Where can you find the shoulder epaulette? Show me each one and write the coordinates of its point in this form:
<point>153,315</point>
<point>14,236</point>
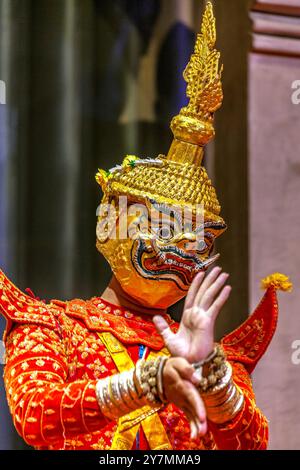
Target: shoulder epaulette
<point>248,342</point>
<point>18,307</point>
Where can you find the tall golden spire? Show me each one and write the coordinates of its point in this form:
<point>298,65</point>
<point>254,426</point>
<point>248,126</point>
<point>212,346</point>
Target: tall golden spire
<point>179,178</point>
<point>193,126</point>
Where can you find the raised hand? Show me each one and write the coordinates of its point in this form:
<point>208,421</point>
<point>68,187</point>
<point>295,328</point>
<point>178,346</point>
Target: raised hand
<point>195,337</point>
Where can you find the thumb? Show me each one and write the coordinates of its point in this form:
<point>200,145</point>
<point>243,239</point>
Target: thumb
<point>162,327</point>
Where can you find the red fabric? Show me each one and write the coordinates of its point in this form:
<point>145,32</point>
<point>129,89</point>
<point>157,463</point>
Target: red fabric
<point>248,342</point>
<point>55,357</point>
<point>249,430</point>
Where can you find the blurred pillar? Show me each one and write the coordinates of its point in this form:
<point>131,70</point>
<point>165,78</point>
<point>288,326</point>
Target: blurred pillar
<point>274,173</point>
<point>14,68</point>
<point>14,71</point>
<point>55,135</point>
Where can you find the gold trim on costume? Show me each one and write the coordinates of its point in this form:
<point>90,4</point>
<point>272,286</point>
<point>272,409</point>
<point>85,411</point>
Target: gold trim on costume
<point>148,417</point>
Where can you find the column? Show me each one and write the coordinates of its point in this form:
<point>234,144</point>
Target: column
<point>274,182</point>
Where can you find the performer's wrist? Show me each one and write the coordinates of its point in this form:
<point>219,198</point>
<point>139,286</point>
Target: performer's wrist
<point>222,398</point>
<point>130,390</point>
<point>211,369</point>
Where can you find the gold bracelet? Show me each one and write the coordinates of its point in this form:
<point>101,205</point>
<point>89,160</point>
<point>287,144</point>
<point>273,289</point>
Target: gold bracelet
<point>102,394</point>
<point>130,385</point>
<point>137,378</point>
<point>224,401</point>
<point>151,379</point>
<point>218,391</point>
<point>160,387</point>
<point>124,390</point>
<point>219,416</point>
<point>211,370</point>
<point>116,396</point>
<point>120,394</point>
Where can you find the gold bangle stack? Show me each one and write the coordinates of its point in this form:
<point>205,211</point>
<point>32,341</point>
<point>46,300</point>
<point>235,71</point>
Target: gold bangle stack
<point>122,393</point>
<point>151,379</point>
<point>212,369</point>
<point>224,400</point>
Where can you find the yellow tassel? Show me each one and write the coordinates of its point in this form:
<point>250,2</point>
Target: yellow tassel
<point>278,281</point>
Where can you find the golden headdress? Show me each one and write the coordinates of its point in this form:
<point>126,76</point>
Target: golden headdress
<point>179,178</point>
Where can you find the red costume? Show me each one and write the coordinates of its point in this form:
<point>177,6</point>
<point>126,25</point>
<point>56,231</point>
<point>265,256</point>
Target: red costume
<point>55,356</point>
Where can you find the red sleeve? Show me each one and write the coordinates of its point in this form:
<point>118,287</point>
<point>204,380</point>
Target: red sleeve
<point>249,429</point>
<point>46,408</point>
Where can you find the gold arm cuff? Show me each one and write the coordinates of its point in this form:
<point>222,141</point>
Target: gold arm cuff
<point>111,397</point>
<point>130,390</point>
<point>224,401</point>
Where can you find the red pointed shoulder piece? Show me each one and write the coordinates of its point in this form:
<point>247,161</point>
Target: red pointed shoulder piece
<point>248,342</point>
<point>18,307</point>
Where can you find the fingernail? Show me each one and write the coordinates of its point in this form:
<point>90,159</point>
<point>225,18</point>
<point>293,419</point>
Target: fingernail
<point>193,430</point>
<point>200,428</point>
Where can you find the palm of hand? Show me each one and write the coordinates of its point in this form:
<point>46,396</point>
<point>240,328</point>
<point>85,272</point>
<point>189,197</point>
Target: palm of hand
<point>195,337</point>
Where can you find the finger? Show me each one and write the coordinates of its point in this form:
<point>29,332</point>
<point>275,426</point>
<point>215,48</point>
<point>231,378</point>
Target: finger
<point>194,429</point>
<point>189,301</point>
<point>185,389</point>
<point>210,278</point>
<point>210,295</point>
<point>197,428</point>
<point>196,377</point>
<point>220,302</point>
<point>171,381</point>
<point>163,328</point>
<point>202,428</point>
<point>194,402</point>
<point>193,423</point>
